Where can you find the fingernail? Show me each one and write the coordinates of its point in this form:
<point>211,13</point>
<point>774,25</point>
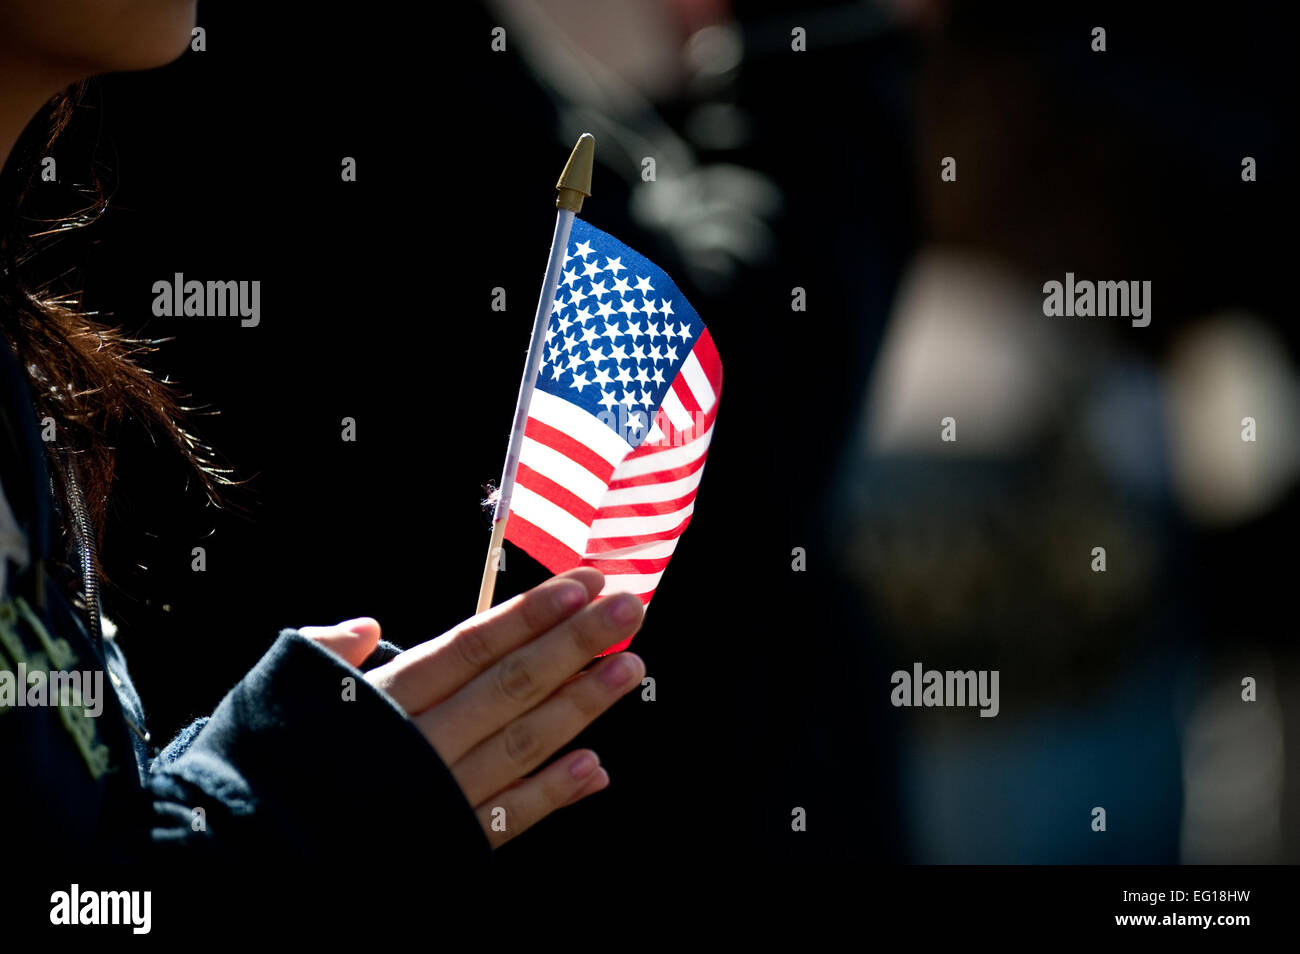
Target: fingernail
<point>618,672</point>
<point>598,781</point>
<point>569,597</point>
<point>584,766</point>
<point>623,609</point>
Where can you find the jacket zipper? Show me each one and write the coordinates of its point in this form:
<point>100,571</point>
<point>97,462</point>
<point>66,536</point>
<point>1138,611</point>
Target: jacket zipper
<point>86,546</point>
<point>90,578</point>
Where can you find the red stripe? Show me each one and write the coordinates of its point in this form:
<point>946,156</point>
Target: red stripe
<point>603,544</point>
<point>540,545</point>
<point>698,428</point>
<point>659,476</point>
<point>706,353</point>
<point>687,397</point>
<point>645,509</point>
<point>573,449</point>
<point>557,494</point>
<point>613,567</point>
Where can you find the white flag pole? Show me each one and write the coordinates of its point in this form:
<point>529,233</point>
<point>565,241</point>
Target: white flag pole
<point>573,186</point>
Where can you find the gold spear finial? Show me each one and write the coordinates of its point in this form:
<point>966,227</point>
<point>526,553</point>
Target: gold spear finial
<point>575,180</point>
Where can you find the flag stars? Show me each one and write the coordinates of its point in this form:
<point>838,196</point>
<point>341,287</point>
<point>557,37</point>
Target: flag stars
<point>610,328</point>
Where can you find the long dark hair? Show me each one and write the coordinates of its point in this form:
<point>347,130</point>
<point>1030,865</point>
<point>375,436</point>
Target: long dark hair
<point>83,373</point>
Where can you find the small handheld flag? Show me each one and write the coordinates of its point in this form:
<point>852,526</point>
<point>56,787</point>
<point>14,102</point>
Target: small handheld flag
<point>611,436</point>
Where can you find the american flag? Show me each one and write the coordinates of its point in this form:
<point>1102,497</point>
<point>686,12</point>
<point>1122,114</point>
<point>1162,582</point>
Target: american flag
<point>620,422</point>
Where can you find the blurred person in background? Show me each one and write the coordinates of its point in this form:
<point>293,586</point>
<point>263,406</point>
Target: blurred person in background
<point>1121,689</point>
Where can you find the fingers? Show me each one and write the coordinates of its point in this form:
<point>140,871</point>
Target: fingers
<point>563,782</point>
<point>428,673</point>
<point>532,738</point>
<point>352,640</point>
<point>523,679</point>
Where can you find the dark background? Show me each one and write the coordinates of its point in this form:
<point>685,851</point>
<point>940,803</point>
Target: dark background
<point>772,685</point>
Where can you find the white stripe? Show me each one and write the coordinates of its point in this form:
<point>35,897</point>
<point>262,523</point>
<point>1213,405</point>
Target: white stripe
<point>576,423</point>
<point>635,526</point>
<point>698,382</point>
<point>666,459</point>
<point>652,550</point>
<point>678,414</point>
<point>549,518</point>
<point>653,493</point>
<point>637,583</point>
<point>573,477</point>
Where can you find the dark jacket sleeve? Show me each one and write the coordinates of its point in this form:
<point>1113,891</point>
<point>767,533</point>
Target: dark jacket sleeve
<point>303,756</point>
<point>302,760</point>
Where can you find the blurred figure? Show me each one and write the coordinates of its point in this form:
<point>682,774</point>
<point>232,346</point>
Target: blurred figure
<point>1122,689</point>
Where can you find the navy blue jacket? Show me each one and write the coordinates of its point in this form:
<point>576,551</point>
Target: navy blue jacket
<point>283,769</point>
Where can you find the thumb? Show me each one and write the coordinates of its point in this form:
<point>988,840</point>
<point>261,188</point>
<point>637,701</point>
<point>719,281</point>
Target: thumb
<point>352,640</point>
